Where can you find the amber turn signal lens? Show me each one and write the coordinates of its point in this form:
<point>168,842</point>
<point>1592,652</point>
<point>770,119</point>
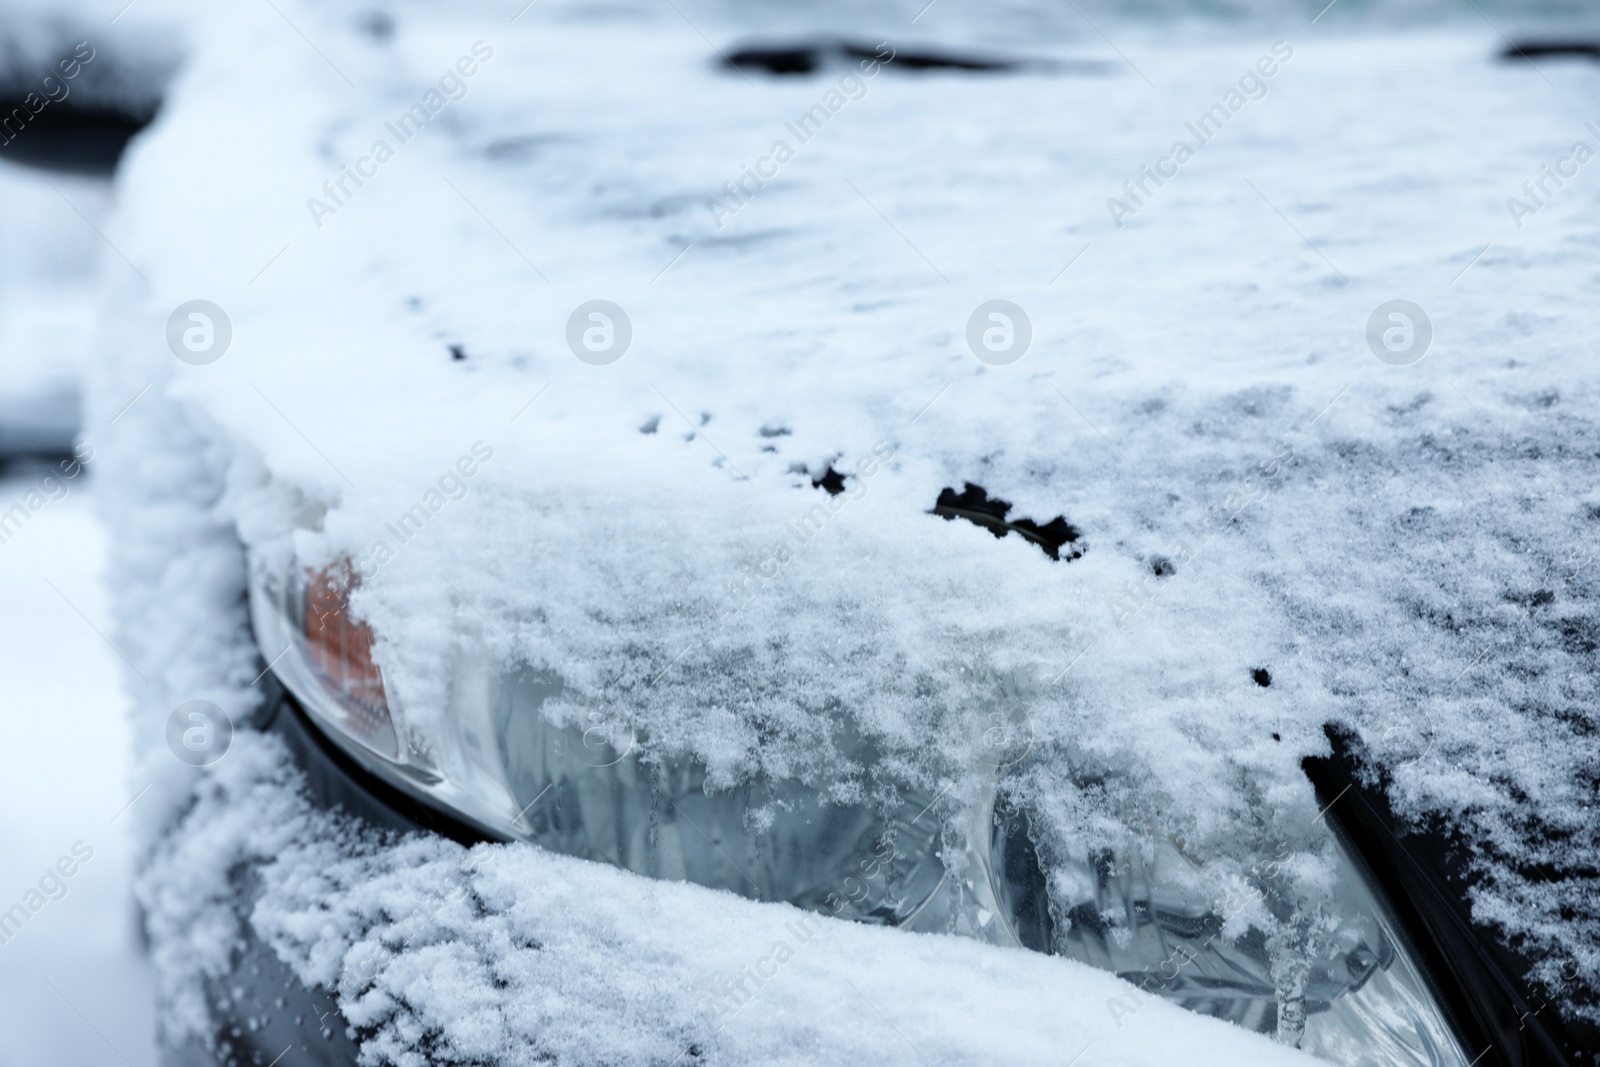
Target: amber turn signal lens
<point>339,647</point>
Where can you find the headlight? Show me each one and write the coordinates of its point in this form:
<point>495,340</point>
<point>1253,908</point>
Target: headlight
<point>494,760</point>
<point>1335,981</point>
<point>1332,978</point>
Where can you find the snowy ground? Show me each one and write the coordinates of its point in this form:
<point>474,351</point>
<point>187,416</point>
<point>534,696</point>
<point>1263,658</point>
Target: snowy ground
<point>74,988</point>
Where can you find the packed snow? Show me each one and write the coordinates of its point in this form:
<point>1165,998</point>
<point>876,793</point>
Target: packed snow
<point>1403,548</point>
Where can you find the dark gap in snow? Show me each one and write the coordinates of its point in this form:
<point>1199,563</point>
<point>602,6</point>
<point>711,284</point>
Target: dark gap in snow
<point>1580,635</point>
<point>519,149</point>
<point>1412,406</point>
<point>1536,599</point>
<point>1262,677</point>
<point>457,352</point>
<point>376,24</point>
<point>1162,567</point>
<point>831,480</point>
<point>770,430</point>
<point>72,137</point>
<point>975,505</point>
<point>779,60</point>
<point>913,60</point>
<point>651,425</point>
<point>1529,49</point>
<point>799,58</point>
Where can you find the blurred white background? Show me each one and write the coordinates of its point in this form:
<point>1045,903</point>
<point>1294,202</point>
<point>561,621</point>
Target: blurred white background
<point>73,984</point>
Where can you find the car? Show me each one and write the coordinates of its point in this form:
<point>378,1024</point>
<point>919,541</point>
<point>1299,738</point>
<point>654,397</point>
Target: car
<point>662,535</point>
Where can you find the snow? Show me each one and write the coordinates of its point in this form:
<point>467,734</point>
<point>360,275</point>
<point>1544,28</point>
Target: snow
<point>1403,547</point>
<point>512,955</point>
<point>64,785</point>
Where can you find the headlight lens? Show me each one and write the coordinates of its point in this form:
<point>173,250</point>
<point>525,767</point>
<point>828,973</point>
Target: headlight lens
<point>1337,982</point>
<point>495,760</point>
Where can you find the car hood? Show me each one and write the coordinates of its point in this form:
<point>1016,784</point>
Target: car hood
<point>1253,493</point>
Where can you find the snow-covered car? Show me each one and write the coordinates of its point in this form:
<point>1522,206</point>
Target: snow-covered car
<point>733,534</point>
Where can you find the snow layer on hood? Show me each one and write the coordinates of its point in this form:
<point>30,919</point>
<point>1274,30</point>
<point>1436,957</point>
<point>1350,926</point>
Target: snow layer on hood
<point>608,537</point>
<point>1403,548</point>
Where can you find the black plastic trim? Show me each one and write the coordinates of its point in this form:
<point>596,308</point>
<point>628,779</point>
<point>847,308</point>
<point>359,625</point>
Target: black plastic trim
<point>336,780</point>
<point>1529,49</point>
<point>1473,974</point>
